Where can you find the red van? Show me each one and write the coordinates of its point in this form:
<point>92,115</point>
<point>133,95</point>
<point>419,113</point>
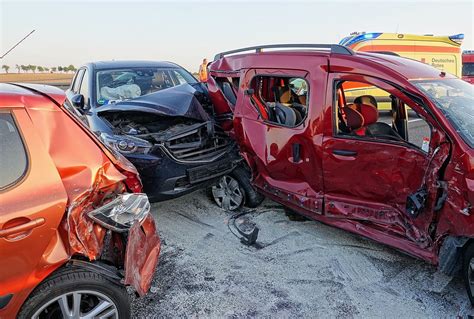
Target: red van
<point>405,183</point>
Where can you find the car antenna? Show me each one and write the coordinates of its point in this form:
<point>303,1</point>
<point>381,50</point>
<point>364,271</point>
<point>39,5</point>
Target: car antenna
<point>24,38</point>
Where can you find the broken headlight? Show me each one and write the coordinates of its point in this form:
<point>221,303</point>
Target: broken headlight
<point>120,213</point>
<point>126,144</point>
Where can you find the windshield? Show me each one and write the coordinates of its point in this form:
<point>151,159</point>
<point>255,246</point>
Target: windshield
<point>468,69</point>
<point>124,84</point>
<point>455,98</point>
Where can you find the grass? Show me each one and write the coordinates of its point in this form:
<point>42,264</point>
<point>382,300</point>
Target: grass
<point>46,78</point>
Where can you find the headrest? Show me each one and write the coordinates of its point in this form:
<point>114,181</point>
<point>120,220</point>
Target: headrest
<point>159,79</point>
<point>369,113</point>
<point>354,119</point>
<point>366,99</point>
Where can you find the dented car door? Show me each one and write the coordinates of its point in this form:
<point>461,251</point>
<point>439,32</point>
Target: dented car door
<point>32,222</point>
<point>284,158</point>
<point>371,184</point>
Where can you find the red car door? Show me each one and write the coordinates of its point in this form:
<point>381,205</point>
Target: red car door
<point>367,180</point>
<point>33,202</point>
<point>284,160</point>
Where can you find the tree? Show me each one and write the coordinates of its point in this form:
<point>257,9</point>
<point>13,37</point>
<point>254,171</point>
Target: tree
<point>54,69</point>
<point>71,68</point>
<point>24,68</point>
<point>32,67</point>
<point>5,67</point>
<point>46,69</point>
<point>60,68</point>
<point>40,68</point>
<point>18,68</point>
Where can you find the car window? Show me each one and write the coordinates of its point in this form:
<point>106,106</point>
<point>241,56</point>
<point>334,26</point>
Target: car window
<point>365,111</point>
<point>455,99</point>
<point>179,77</point>
<point>13,163</point>
<point>84,89</point>
<point>419,131</point>
<point>468,69</point>
<point>229,87</point>
<point>77,81</point>
<point>115,85</point>
<point>281,100</point>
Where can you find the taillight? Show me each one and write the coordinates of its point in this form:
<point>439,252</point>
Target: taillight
<point>120,213</point>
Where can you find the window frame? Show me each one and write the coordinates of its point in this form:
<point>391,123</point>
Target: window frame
<point>18,181</point>
<point>279,75</point>
<point>335,119</point>
<point>86,98</point>
<point>77,79</point>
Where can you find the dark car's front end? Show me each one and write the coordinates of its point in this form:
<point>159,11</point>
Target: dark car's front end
<point>160,118</point>
<point>174,156</point>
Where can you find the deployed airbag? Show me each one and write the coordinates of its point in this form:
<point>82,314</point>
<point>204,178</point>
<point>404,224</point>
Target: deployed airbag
<point>180,101</point>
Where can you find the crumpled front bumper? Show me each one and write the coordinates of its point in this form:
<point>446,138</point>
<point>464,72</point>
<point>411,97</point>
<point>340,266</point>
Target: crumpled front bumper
<point>141,255</point>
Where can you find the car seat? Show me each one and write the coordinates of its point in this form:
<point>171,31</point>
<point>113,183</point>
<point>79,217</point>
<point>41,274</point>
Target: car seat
<point>353,119</point>
<point>285,115</point>
<point>285,99</point>
<point>373,128</point>
<point>159,81</point>
<point>369,114</point>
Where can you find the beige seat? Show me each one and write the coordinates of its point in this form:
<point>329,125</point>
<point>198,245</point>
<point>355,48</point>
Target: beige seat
<point>159,80</point>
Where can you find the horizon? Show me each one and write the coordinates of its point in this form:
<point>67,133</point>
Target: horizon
<point>119,30</point>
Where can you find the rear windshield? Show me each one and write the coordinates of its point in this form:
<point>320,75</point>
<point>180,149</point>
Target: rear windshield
<point>455,98</point>
<point>125,84</point>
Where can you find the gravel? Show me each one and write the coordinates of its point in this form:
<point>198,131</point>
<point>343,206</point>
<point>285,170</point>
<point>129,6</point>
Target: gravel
<point>297,269</point>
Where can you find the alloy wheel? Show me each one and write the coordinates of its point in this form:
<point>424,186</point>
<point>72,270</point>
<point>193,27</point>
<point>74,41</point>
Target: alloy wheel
<point>78,304</point>
<point>227,193</point>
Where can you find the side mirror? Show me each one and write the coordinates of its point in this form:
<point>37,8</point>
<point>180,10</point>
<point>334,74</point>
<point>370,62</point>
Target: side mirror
<point>78,101</point>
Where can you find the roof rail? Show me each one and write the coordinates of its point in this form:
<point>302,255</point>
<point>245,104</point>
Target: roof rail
<point>334,48</point>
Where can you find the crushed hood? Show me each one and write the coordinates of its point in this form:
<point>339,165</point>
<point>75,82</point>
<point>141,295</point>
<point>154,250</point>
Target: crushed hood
<point>181,100</point>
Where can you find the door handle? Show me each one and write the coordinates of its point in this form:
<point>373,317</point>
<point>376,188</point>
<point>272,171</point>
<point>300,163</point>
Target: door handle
<point>22,227</point>
<point>296,153</point>
<point>344,152</point>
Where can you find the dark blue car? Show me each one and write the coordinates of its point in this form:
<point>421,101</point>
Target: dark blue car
<point>160,118</point>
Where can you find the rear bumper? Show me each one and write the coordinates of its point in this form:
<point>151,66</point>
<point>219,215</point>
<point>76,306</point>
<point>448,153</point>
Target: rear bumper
<point>141,255</point>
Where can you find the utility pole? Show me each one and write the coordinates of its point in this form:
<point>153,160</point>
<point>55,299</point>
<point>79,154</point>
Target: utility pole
<point>26,36</point>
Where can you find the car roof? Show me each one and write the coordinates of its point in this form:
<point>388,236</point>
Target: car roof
<point>13,94</point>
<point>131,64</point>
<point>373,63</point>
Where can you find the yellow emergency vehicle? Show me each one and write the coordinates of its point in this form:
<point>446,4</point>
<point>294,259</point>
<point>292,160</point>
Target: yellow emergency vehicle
<point>442,52</point>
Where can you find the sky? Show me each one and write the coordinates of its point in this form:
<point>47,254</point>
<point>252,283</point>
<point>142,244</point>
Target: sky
<point>184,32</point>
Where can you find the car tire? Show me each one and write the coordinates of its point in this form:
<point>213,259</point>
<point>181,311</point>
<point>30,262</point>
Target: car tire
<point>468,270</point>
<point>294,216</point>
<point>251,198</point>
<point>68,283</point>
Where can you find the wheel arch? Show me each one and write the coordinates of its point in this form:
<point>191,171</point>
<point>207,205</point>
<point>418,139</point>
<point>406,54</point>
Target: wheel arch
<point>451,253</point>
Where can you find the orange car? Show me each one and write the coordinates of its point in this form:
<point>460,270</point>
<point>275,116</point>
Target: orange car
<point>74,225</point>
